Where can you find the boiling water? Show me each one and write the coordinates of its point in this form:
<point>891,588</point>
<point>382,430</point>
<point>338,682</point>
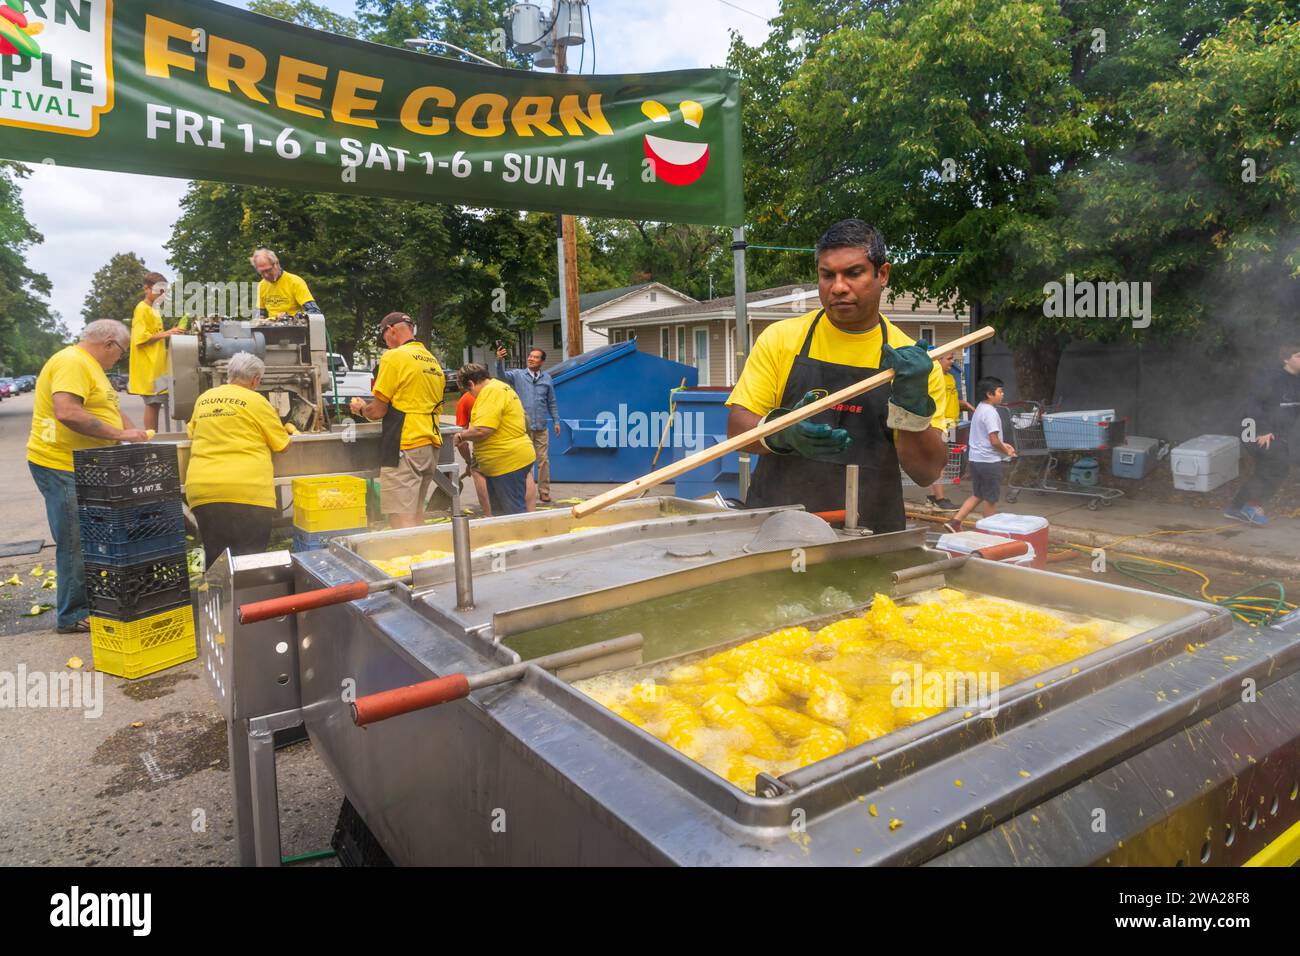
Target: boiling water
<point>717,613</point>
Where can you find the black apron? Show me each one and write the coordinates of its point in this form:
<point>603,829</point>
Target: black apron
<point>818,485</point>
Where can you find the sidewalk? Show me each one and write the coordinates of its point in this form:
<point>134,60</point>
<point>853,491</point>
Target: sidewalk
<point>1201,536</point>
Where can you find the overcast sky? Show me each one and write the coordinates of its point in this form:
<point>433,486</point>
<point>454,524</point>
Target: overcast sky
<point>87,216</point>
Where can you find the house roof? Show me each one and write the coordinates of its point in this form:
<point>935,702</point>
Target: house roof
<point>781,301</point>
<point>590,301</point>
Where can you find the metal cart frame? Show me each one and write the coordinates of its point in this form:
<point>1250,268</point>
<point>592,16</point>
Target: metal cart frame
<point>1030,441</point>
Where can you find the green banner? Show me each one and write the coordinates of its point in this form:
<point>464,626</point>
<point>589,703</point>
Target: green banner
<point>199,90</point>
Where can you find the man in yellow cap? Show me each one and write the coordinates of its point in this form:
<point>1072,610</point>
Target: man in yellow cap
<point>409,385</point>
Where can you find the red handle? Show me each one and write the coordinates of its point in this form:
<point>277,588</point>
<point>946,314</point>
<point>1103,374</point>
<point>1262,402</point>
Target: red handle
<point>403,700</point>
<point>305,601</point>
<point>999,552</point>
<point>831,517</point>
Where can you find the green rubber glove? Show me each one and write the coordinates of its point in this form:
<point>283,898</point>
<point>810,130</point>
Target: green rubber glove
<point>911,387</point>
<point>806,438</point>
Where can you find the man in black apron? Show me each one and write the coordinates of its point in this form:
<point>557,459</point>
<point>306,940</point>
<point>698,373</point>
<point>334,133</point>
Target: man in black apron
<point>878,431</point>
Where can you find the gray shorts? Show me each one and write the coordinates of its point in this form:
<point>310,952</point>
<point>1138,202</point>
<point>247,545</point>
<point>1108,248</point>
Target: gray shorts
<point>155,399</point>
<point>986,480</point>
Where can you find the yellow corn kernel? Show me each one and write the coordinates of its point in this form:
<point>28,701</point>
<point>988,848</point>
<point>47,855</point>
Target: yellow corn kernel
<point>697,694</point>
<point>830,706</point>
<point>788,640</point>
<point>792,676</point>
<point>725,710</point>
<point>714,675</point>
<point>819,745</point>
<point>951,596</point>
<point>857,646</point>
<point>871,719</point>
<point>686,674</point>
<point>757,688</point>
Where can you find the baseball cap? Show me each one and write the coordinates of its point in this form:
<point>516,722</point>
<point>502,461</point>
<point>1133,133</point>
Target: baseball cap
<point>392,318</point>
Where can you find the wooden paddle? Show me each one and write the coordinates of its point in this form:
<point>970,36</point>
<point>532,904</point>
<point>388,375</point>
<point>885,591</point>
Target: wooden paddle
<point>762,430</point>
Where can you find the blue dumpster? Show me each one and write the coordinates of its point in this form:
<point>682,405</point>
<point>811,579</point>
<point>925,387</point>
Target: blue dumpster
<point>613,408</point>
<point>703,411</point>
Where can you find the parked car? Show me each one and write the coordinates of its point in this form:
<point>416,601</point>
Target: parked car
<point>118,381</point>
<point>8,388</point>
<point>351,385</point>
<point>29,382</point>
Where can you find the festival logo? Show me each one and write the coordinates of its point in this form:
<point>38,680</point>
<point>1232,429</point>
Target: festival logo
<point>64,82</point>
<point>676,162</point>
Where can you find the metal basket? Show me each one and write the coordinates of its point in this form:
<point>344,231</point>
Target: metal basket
<point>952,468</point>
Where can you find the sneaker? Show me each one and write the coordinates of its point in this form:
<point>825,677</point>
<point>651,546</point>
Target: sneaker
<point>1250,514</point>
<point>945,504</point>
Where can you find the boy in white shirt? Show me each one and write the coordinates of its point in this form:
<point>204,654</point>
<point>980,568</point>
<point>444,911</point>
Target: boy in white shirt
<point>987,453</point>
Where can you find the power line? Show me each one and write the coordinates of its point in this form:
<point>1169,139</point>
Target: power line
<point>734,6</point>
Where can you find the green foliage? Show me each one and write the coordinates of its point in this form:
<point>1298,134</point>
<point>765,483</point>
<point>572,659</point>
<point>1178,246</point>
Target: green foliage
<point>29,333</point>
<point>1120,163</point>
<point>115,289</point>
<point>307,14</point>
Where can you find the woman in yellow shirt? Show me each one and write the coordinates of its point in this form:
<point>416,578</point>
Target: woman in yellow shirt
<point>230,483</point>
<point>499,431</point>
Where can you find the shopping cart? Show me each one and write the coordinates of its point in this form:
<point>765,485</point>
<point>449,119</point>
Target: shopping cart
<point>1040,432</point>
<point>952,469</point>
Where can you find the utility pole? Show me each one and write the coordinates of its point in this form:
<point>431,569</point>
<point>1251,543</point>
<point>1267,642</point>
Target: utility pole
<point>570,315</point>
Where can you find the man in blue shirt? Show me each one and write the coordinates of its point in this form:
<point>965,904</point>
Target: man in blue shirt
<point>537,392</point>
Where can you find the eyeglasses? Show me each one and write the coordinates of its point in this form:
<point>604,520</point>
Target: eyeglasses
<point>120,347</point>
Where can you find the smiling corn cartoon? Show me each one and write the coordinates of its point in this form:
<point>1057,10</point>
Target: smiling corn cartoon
<point>676,162</point>
<point>16,33</point>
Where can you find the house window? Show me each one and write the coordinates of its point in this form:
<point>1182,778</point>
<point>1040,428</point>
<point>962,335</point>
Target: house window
<point>653,295</point>
<point>629,335</point>
<point>681,343</point>
<point>927,335</point>
<point>665,343</point>
<point>557,340</point>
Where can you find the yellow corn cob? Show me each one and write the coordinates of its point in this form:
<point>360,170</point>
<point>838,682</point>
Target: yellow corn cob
<point>793,726</point>
<point>794,677</point>
<point>756,688</point>
<point>697,694</point>
<point>626,714</point>
<point>905,716</point>
<point>871,719</point>
<point>741,772</point>
<point>820,745</point>
<point>683,726</point>
<point>725,710</point>
<point>885,618</point>
<point>830,706</point>
<point>951,596</point>
<point>789,640</point>
<point>686,674</point>
<point>850,628</point>
<point>715,675</point>
<point>647,697</point>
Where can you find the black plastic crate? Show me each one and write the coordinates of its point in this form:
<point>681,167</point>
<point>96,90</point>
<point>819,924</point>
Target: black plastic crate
<point>126,534</point>
<point>126,473</point>
<point>127,592</point>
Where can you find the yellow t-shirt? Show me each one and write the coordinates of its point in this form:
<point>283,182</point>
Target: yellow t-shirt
<point>508,448</point>
<point>234,430</point>
<point>148,362</point>
<point>762,383</point>
<point>75,371</point>
<point>951,405</point>
<point>412,381</point>
<point>286,295</point>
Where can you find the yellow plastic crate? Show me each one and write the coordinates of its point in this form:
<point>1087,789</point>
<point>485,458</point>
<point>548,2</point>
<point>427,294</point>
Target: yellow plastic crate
<point>133,649</point>
<point>335,519</point>
<point>329,493</point>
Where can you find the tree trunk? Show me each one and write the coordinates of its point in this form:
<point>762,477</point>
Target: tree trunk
<point>1036,364</point>
<point>424,324</point>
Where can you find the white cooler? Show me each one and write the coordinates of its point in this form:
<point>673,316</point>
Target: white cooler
<point>968,542</point>
<point>1205,462</point>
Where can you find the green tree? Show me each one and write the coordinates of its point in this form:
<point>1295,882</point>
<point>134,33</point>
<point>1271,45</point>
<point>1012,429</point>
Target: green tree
<point>29,333</point>
<point>987,138</point>
<point>308,14</point>
<point>115,289</point>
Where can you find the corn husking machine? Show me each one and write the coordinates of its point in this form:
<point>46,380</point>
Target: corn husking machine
<point>1179,745</point>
